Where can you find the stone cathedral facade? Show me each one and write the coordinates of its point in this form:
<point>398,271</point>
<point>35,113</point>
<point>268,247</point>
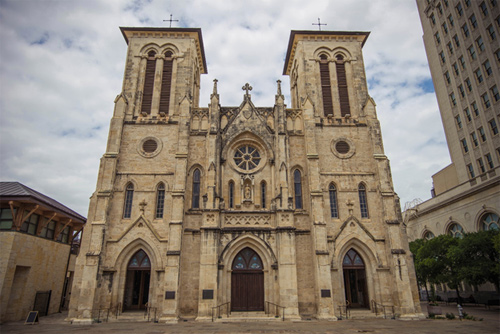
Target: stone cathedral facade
<point>200,206</point>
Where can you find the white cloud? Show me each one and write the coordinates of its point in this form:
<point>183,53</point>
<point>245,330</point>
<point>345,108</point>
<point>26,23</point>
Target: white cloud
<point>62,62</point>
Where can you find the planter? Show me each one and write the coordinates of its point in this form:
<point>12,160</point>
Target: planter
<point>436,310</point>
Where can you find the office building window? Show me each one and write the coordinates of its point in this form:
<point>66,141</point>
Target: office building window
<point>494,92</point>
<point>464,145</point>
<point>489,161</point>
<point>480,44</point>
<point>473,136</point>
<point>459,121</point>
<point>486,100</point>
<point>475,109</point>
<point>482,134</point>
<point>493,127</point>
<point>473,21</point>
<point>468,83</point>
<point>465,30</point>
<point>491,32</point>
<point>467,114</point>
<point>479,75</point>
<point>472,52</point>
<point>470,169</point>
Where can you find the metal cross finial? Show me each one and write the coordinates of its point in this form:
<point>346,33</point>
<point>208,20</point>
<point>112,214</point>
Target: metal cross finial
<point>247,87</point>
<point>173,21</point>
<point>319,24</point>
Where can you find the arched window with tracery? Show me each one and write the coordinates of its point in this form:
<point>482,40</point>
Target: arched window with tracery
<point>247,259</point>
<point>166,82</point>
<point>326,88</point>
<point>129,196</point>
<point>456,231</point>
<point>489,221</point>
<point>342,85</point>
<point>231,194</point>
<point>160,200</point>
<point>297,186</point>
<point>363,203</point>
<point>149,81</point>
<point>196,188</point>
<point>140,261</point>
<point>332,191</point>
<point>428,235</point>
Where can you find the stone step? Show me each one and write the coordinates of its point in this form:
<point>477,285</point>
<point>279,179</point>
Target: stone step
<point>365,314</point>
<point>129,317</point>
<point>254,316</point>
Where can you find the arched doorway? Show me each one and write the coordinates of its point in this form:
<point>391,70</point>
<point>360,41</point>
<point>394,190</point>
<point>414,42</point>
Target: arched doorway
<point>247,282</point>
<point>356,292</point>
<point>137,285</point>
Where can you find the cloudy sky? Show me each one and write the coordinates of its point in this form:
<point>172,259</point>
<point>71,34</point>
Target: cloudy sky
<point>62,64</point>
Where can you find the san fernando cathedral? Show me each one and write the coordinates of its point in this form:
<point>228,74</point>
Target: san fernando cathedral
<point>245,206</point>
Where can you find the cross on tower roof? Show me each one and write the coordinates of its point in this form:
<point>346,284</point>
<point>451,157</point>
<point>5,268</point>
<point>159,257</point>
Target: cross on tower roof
<point>319,24</point>
<point>176,21</point>
<point>247,87</point>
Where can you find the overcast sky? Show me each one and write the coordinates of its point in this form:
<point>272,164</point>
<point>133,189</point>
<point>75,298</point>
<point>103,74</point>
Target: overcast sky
<point>62,64</point>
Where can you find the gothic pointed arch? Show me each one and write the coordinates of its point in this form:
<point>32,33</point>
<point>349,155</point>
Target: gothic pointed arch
<point>261,247</point>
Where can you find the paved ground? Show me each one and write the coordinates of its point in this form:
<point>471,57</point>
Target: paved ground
<point>490,324</point>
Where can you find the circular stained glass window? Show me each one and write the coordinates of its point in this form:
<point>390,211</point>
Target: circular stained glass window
<point>342,147</point>
<point>247,157</point>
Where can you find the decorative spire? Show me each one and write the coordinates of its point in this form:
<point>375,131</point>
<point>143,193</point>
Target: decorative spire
<point>215,87</point>
<point>279,87</point>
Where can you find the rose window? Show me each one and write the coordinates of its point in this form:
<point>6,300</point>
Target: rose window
<point>247,157</point>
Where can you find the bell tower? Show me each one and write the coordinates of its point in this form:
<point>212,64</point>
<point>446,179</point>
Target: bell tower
<point>137,207</point>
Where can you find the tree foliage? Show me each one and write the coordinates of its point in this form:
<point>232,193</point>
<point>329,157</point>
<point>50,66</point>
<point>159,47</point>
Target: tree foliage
<point>474,259</point>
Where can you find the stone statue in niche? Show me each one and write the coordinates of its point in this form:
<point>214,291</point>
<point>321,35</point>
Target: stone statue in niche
<point>248,192</point>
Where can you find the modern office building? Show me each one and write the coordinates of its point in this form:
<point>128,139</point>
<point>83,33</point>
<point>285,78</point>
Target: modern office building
<point>461,39</point>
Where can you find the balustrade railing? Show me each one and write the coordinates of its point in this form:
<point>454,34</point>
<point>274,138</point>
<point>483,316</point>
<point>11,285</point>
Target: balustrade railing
<point>387,310</point>
<point>277,308</point>
<point>216,310</point>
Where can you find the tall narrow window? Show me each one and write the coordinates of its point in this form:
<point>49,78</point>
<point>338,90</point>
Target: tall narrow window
<point>149,80</point>
<point>129,196</point>
<point>160,200</point>
<point>363,204</point>
<point>342,82</point>
<point>334,212</point>
<point>231,194</point>
<point>326,88</point>
<point>196,189</point>
<point>297,182</point>
<point>166,83</point>
<point>263,194</point>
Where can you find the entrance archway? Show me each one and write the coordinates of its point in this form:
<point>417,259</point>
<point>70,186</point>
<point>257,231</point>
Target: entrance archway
<point>137,285</point>
<point>247,282</point>
<point>356,292</point>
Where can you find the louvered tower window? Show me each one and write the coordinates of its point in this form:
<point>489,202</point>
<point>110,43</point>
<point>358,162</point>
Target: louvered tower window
<point>326,88</point>
<point>149,79</point>
<point>342,82</point>
<point>166,83</point>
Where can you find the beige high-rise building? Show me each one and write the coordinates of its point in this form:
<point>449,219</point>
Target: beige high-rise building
<point>461,39</point>
<point>244,206</point>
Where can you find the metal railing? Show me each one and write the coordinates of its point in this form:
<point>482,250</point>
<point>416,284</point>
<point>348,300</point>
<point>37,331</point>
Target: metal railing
<point>379,308</point>
<point>344,311</point>
<point>277,309</point>
<point>100,315</point>
<point>150,313</point>
<point>117,310</point>
<point>217,310</point>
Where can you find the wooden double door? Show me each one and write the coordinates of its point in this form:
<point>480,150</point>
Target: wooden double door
<point>136,294</point>
<point>356,292</point>
<point>247,282</point>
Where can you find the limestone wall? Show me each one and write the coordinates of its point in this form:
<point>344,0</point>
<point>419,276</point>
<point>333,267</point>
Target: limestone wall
<point>29,264</point>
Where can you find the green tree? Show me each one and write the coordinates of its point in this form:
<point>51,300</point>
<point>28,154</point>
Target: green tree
<point>478,256</point>
<point>434,265</point>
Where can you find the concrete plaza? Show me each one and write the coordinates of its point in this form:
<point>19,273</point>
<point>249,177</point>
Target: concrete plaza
<point>490,324</point>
